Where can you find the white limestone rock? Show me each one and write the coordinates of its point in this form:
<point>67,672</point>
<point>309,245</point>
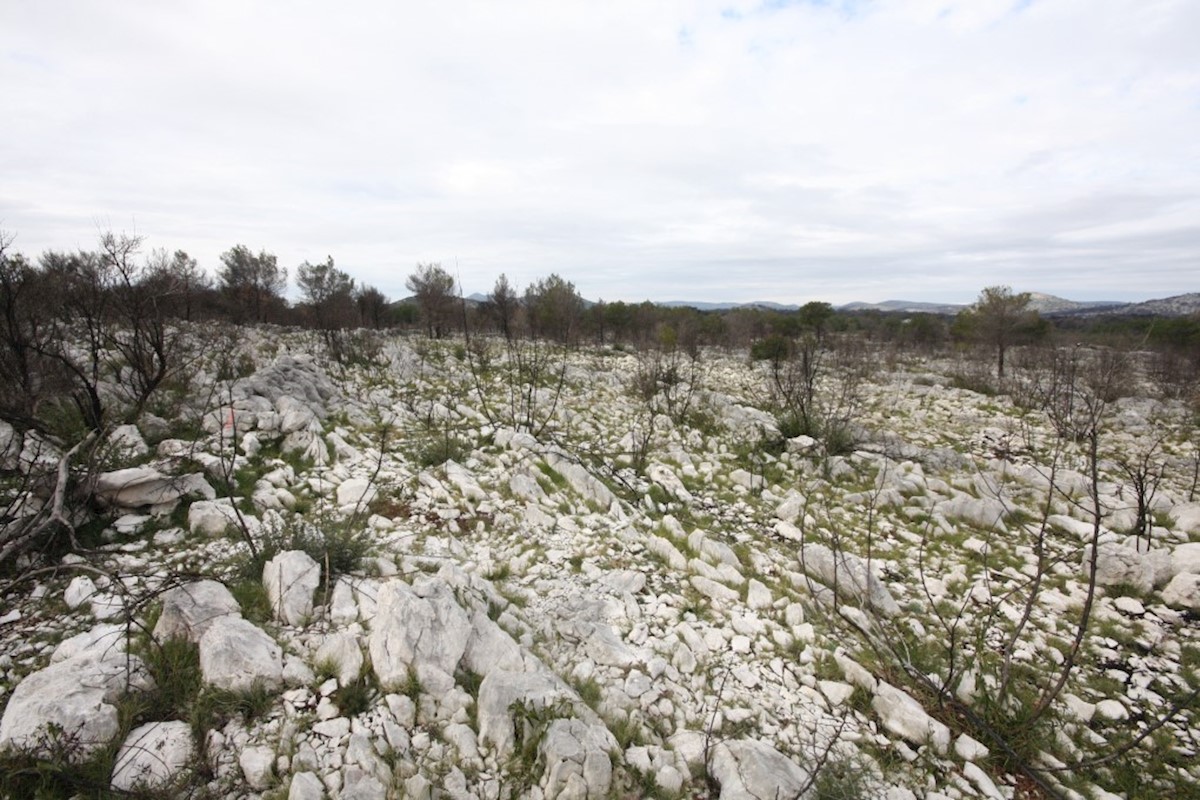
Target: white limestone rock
<point>758,596</point>
<point>905,717</point>
<point>341,650</point>
<point>258,767</point>
<point>212,518</point>
<point>105,640</point>
<point>1186,557</point>
<point>578,758</point>
<point>1119,565</point>
<point>76,697</point>
<point>1187,519</point>
<point>235,654</point>
<point>987,513</point>
<point>969,749</point>
<point>851,575</point>
<point>497,694</point>
<point>356,492</point>
<point>127,442</point>
<point>1183,591</point>
<point>137,487</point>
<point>290,579</point>
<point>747,769</point>
<point>490,647</point>
<point>79,591</point>
<point>717,592</point>
<point>343,610</point>
<point>306,786</point>
<point>153,756</point>
<point>420,628</point>
<point>188,611</point>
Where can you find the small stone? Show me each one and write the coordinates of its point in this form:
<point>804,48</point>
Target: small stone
<point>1129,605</point>
<point>333,728</point>
<point>258,765</point>
<point>637,684</point>
<point>79,591</point>
<point>969,749</point>
<point>306,786</point>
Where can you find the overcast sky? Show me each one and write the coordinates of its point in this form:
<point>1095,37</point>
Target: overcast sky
<point>830,150</point>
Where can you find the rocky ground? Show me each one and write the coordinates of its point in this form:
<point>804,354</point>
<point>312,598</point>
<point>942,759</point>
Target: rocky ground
<point>412,578</point>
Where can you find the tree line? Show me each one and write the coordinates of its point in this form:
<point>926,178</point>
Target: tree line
<point>118,282</point>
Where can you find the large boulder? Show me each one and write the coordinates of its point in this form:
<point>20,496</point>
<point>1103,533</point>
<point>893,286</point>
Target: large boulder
<point>987,513</point>
<point>136,487</point>
<point>356,492</point>
<point>235,655</point>
<point>578,758</point>
<point>1187,518</point>
<point>106,640</point>
<point>490,647</point>
<point>1183,591</point>
<point>747,769</point>
<point>341,652</point>
<point>1186,558</point>
<point>212,517</point>
<point>850,574</point>
<point>905,717</point>
<point>71,704</point>
<point>290,579</point>
<point>1118,565</point>
<point>189,610</point>
<point>501,690</point>
<point>419,629</point>
<point>153,756</point>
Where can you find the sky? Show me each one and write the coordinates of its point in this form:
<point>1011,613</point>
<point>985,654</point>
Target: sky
<point>736,150</point>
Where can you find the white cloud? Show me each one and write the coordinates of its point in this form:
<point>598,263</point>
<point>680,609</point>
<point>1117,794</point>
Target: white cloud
<point>741,150</point>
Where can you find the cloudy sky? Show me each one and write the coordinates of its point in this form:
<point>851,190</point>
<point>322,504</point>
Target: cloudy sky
<point>732,150</point>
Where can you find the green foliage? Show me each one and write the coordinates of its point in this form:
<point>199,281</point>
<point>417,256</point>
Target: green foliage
<point>339,545</point>
<point>214,707</point>
<point>410,687</point>
<point>438,447</point>
<point>590,692</point>
<point>556,477</point>
<point>174,665</point>
<point>775,349</point>
<point>357,696</point>
<point>252,597</point>
<point>843,778</point>
<point>57,772</point>
<point>531,721</point>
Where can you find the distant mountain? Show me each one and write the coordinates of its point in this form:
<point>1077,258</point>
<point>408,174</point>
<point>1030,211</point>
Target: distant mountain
<point>1180,305</point>
<point>906,306</point>
<point>1049,304</point>
<point>728,306</point>
<point>1045,304</point>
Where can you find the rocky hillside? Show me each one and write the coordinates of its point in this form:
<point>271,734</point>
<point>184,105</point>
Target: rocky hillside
<point>490,572</point>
